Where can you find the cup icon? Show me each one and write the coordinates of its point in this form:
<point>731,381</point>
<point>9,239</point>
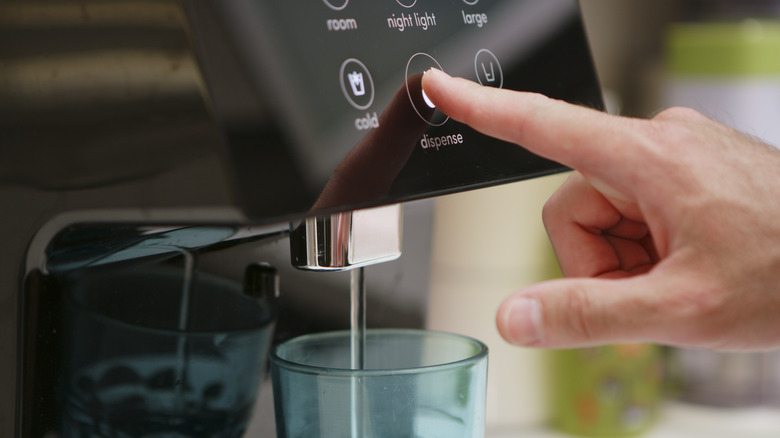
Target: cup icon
<point>488,69</point>
<point>356,83</point>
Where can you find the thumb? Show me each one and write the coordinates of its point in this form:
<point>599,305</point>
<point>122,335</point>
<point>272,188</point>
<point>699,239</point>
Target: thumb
<point>584,311</point>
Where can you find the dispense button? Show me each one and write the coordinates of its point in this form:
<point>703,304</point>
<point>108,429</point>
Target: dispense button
<point>418,64</point>
<point>357,84</point>
<point>488,69</point>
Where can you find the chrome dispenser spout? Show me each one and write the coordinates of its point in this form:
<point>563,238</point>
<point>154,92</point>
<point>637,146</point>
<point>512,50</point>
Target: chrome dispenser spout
<point>347,240</point>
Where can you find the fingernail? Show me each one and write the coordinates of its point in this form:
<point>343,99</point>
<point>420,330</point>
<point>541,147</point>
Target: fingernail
<point>523,321</point>
<point>432,70</point>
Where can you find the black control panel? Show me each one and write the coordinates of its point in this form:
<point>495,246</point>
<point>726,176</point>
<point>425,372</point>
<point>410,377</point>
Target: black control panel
<point>321,103</point>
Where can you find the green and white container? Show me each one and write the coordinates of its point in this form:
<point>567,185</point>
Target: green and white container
<point>730,71</point>
<point>606,391</point>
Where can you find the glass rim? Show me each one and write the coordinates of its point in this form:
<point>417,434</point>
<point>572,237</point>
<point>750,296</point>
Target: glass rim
<point>88,312</point>
<point>480,354</point>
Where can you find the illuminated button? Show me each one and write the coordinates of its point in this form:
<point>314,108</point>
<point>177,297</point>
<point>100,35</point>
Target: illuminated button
<point>356,83</point>
<point>406,3</point>
<point>488,69</point>
<point>336,5</point>
<point>470,2</point>
<point>418,64</point>
<point>427,100</point>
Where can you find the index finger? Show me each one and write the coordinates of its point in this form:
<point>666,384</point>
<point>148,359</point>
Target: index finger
<point>582,138</point>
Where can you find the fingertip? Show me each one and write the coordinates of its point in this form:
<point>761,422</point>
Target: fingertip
<point>432,77</point>
<point>430,69</point>
<point>519,321</point>
<point>433,71</point>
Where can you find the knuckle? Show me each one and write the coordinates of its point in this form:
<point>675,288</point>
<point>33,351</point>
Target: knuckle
<point>704,303</point>
<point>579,314</point>
<point>559,204</point>
<point>681,126</point>
<point>551,211</point>
<point>679,113</point>
<point>703,313</point>
<point>671,129</point>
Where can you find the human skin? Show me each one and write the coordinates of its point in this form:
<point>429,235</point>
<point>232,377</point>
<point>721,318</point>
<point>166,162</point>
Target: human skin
<point>668,230</point>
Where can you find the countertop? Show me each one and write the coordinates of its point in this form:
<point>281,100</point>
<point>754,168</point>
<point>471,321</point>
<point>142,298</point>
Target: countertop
<point>677,420</point>
<point>680,420</point>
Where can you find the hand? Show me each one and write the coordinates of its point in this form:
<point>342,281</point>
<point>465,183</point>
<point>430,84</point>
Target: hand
<point>668,231</point>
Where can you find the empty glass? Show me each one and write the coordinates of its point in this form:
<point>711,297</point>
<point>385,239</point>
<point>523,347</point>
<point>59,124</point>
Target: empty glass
<point>148,355</point>
<point>415,383</point>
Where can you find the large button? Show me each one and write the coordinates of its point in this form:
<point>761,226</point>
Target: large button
<point>488,69</point>
<point>418,64</point>
<point>356,83</point>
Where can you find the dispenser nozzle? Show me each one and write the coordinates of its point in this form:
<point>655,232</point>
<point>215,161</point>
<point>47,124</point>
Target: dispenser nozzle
<point>347,240</point>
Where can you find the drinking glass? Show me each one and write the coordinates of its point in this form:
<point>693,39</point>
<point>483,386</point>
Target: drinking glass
<point>147,355</point>
<point>415,384</point>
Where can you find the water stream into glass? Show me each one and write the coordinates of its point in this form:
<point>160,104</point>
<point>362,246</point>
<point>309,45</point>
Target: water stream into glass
<point>358,319</point>
<point>358,405</point>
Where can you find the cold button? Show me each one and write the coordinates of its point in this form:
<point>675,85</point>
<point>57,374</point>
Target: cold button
<point>488,69</point>
<point>356,83</point>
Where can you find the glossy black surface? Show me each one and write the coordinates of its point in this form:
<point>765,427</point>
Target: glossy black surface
<point>294,116</point>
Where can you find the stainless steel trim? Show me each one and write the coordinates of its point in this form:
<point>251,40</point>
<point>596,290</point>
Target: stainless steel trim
<point>347,240</point>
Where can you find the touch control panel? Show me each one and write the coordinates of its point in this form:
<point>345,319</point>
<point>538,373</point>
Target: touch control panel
<point>333,87</point>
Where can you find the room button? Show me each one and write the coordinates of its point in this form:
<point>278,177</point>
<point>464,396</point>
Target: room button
<point>336,5</point>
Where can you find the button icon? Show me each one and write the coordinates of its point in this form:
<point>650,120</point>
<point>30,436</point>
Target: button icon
<point>406,3</point>
<point>418,64</point>
<point>470,2</point>
<point>490,77</point>
<point>356,83</point>
<point>488,69</point>
<point>336,5</point>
